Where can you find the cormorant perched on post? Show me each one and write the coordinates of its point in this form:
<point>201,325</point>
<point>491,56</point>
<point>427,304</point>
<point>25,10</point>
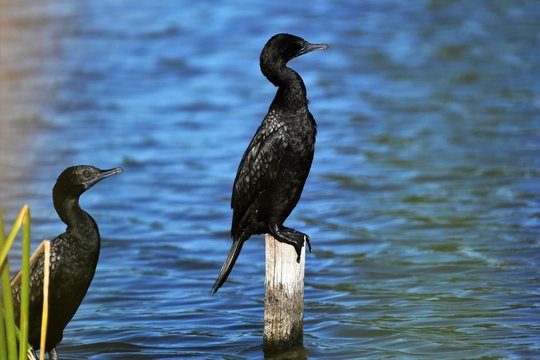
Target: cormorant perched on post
<point>274,168</point>
<point>74,257</point>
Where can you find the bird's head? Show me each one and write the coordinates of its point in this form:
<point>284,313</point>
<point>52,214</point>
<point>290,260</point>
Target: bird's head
<point>284,47</point>
<point>75,180</point>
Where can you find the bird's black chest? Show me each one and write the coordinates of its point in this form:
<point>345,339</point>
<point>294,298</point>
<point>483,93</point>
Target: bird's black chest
<point>73,266</point>
<point>297,139</point>
<point>300,141</point>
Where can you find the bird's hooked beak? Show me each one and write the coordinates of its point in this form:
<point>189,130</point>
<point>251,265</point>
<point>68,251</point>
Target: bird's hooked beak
<point>312,47</point>
<point>102,174</point>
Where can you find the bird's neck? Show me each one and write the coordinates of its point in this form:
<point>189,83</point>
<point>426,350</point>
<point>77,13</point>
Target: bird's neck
<point>291,92</point>
<point>80,225</point>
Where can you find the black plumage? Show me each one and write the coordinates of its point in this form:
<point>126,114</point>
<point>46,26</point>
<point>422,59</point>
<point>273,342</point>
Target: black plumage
<point>275,166</point>
<point>74,257</point>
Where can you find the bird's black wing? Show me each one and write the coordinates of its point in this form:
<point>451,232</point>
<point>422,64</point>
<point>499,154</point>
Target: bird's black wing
<point>258,168</point>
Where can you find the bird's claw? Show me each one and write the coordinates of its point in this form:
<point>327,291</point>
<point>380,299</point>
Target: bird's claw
<point>308,242</point>
<point>298,253</point>
<point>299,244</point>
<point>294,238</point>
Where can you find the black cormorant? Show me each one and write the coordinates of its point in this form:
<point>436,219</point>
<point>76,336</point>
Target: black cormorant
<point>274,167</point>
<point>74,257</point>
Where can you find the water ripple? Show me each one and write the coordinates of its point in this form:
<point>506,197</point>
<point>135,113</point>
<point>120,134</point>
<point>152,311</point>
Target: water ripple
<point>422,203</point>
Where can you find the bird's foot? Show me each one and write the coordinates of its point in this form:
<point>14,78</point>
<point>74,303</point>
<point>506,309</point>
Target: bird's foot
<point>292,237</point>
<point>306,237</point>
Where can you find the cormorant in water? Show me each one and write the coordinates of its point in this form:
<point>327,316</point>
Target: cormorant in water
<point>74,257</point>
<point>274,168</point>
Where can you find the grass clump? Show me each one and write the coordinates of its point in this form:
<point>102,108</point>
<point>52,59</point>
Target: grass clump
<point>14,337</point>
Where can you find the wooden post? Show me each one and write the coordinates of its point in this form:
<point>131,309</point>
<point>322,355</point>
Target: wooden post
<point>284,298</point>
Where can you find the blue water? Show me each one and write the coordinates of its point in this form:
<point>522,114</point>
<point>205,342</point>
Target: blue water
<point>423,203</point>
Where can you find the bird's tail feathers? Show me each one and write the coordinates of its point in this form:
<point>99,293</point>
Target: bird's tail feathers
<point>228,264</point>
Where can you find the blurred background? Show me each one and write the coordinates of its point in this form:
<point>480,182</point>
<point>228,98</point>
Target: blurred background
<point>423,202</point>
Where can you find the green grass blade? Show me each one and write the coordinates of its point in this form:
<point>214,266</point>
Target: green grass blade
<point>46,278</point>
<point>25,286</point>
<point>3,335</point>
<point>3,342</point>
<point>7,303</point>
<point>9,318</point>
<point>12,234</point>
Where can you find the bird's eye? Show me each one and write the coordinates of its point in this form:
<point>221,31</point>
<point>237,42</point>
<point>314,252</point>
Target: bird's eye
<point>86,173</point>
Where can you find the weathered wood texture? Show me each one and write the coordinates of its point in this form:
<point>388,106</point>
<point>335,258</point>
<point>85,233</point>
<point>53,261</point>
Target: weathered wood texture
<point>284,298</point>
